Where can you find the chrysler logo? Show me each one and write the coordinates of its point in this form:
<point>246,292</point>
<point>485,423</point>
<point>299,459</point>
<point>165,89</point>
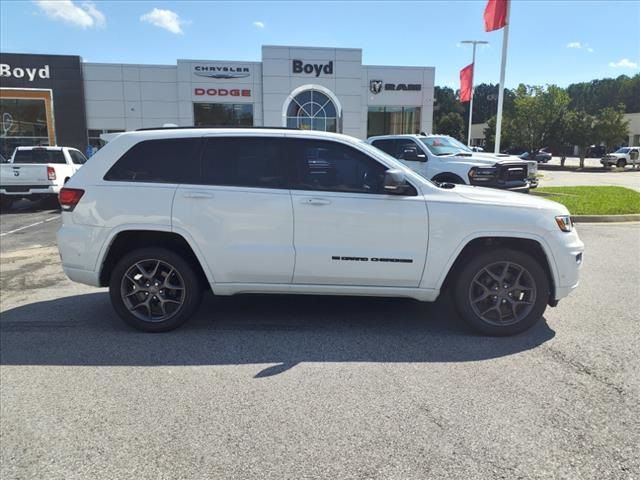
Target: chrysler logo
<point>375,86</point>
<point>221,71</point>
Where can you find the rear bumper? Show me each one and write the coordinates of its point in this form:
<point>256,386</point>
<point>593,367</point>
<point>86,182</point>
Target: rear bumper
<point>79,247</point>
<point>29,190</point>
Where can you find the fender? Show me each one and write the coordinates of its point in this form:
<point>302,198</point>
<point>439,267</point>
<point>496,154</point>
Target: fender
<point>501,234</point>
<point>113,233</point>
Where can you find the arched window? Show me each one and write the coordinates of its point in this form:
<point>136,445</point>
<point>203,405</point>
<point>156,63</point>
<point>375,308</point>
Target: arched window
<point>312,110</point>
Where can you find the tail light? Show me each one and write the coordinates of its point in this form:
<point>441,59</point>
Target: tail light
<point>51,173</point>
<point>69,198</point>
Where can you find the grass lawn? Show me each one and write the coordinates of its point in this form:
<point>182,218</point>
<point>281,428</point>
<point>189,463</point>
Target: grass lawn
<point>594,200</point>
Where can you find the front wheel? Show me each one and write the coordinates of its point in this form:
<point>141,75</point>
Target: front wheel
<point>502,292</point>
<point>621,163</point>
<point>154,289</point>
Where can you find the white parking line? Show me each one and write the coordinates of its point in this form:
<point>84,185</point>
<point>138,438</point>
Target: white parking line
<point>29,226</point>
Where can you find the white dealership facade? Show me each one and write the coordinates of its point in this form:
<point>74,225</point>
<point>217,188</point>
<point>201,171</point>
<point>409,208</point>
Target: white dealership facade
<point>315,88</point>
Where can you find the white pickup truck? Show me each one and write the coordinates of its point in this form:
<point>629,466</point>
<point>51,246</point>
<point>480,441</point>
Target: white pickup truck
<point>443,159</point>
<point>38,173</point>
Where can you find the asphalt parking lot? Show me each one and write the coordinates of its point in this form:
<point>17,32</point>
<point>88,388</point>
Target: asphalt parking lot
<point>274,387</point>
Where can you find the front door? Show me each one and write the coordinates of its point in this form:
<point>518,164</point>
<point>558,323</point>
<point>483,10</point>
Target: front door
<point>348,231</point>
<point>239,213</point>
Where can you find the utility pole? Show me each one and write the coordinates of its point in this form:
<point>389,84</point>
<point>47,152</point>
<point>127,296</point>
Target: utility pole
<point>503,67</point>
<point>473,71</point>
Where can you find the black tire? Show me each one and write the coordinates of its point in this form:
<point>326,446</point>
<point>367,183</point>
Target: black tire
<point>5,202</point>
<point>621,163</point>
<point>448,178</point>
<point>466,287</point>
<point>192,290</point>
<point>51,202</point>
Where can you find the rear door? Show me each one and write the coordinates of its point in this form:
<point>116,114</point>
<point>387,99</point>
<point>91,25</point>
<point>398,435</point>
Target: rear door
<point>348,231</point>
<point>239,211</point>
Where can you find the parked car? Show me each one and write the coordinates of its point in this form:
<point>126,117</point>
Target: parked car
<point>441,158</point>
<point>622,157</point>
<point>476,148</point>
<point>159,215</point>
<point>38,173</point>
<point>541,156</point>
<point>596,151</point>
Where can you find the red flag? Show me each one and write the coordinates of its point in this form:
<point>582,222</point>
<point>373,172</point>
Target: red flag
<point>495,15</point>
<point>466,80</point>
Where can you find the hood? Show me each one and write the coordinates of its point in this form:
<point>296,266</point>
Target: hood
<point>484,158</point>
<point>506,198</point>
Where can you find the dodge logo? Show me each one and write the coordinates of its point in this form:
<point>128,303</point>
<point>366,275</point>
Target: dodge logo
<point>375,86</point>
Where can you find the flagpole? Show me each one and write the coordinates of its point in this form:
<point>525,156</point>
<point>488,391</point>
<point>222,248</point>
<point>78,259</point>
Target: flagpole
<point>473,71</point>
<point>503,67</point>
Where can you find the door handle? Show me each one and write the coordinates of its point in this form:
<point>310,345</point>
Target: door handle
<point>197,195</point>
<point>316,201</point>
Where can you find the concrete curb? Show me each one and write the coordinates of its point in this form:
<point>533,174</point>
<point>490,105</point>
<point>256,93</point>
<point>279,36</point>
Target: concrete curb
<point>633,217</point>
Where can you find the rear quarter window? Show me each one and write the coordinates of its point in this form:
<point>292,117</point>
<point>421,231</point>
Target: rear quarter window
<point>173,160</point>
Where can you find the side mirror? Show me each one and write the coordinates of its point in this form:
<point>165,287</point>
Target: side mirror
<point>395,182</point>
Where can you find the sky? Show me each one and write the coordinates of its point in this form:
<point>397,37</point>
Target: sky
<point>550,41</point>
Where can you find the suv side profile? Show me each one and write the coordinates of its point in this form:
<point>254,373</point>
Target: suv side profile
<point>161,215</point>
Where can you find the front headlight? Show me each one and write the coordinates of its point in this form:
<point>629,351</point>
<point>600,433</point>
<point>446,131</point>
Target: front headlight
<point>564,223</point>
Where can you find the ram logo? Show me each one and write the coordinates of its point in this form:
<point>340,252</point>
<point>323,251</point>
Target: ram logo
<point>375,86</point>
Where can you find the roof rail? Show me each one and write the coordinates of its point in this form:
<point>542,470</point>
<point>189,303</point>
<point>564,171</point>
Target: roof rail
<point>205,127</point>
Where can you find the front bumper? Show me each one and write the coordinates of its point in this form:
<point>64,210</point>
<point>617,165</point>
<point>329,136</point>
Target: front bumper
<point>568,255</point>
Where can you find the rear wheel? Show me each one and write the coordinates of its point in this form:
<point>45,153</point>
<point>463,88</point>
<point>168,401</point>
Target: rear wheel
<point>502,292</point>
<point>154,289</point>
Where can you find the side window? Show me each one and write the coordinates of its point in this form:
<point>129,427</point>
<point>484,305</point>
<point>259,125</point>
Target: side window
<point>409,150</point>
<point>244,162</point>
<point>77,158</point>
<point>173,160</point>
<point>332,166</point>
<point>387,146</point>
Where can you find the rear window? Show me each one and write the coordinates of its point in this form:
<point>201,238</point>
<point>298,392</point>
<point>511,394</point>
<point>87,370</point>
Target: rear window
<point>173,160</point>
<point>39,156</point>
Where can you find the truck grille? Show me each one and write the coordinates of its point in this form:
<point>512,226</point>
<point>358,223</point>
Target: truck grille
<point>511,172</point>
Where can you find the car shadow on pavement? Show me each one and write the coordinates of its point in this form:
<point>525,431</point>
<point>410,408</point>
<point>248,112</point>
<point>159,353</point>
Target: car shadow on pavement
<point>278,330</point>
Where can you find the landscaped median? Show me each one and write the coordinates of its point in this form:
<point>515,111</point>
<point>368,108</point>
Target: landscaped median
<point>588,203</point>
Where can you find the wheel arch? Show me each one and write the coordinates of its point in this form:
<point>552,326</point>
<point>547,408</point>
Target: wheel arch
<point>536,247</point>
<point>126,240</point>
<point>448,177</point>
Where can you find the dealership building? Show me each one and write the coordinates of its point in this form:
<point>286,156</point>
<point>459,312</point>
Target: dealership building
<point>57,99</point>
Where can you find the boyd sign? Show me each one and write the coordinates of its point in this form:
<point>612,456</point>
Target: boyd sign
<point>27,72</point>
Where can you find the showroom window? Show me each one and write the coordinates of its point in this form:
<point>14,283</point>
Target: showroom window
<point>312,110</point>
<point>393,120</point>
<point>23,122</point>
<point>223,114</point>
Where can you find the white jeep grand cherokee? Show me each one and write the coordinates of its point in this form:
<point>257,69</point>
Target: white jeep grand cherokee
<point>160,215</point>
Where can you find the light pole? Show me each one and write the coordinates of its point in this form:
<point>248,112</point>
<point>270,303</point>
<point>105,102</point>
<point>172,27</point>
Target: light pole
<point>473,71</point>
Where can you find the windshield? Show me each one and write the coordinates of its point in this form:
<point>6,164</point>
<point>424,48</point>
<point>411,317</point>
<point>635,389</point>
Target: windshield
<point>39,156</point>
<point>623,150</point>
<point>444,145</point>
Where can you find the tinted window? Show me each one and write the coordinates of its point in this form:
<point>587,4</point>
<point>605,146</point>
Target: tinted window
<point>330,166</point>
<point>387,146</point>
<point>244,162</point>
<point>408,150</point>
<point>77,157</point>
<point>38,155</point>
<point>159,161</point>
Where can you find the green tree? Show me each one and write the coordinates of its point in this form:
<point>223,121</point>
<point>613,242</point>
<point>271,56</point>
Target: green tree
<point>537,111</point>
<point>611,128</point>
<point>445,102</point>
<point>451,124</point>
<point>580,131</point>
<point>506,136</point>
